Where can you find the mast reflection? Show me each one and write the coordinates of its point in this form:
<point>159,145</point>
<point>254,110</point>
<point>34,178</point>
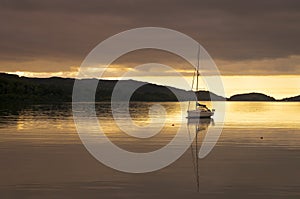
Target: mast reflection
<point>199,127</point>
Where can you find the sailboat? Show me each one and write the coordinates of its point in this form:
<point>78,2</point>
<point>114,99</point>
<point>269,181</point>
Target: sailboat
<point>201,110</point>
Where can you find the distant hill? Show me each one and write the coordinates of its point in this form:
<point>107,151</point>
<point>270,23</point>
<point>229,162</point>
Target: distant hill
<point>55,89</point>
<point>292,99</point>
<point>251,97</point>
<point>209,96</point>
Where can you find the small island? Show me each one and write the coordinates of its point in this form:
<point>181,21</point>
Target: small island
<point>292,99</point>
<point>251,97</point>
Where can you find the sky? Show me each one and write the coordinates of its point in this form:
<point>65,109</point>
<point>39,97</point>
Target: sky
<point>255,44</point>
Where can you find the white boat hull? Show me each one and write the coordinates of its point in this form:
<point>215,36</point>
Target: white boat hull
<point>200,114</point>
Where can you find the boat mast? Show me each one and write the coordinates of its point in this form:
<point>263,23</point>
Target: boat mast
<point>197,73</point>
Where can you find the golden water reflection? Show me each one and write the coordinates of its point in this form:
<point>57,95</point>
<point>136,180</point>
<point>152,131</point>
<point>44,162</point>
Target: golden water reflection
<point>279,122</point>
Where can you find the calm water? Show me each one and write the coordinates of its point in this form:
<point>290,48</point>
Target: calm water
<point>257,155</point>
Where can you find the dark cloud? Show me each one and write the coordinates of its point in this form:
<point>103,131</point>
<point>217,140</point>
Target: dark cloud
<point>65,31</point>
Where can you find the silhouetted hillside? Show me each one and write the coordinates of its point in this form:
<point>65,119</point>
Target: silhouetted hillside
<point>292,99</point>
<point>251,97</point>
<point>206,96</point>
<point>50,90</point>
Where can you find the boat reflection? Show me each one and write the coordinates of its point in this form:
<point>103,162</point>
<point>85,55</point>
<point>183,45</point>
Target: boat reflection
<point>198,126</point>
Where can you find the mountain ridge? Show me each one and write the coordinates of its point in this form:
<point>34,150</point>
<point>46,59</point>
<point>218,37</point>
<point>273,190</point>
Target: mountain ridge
<point>57,89</point>
<point>253,96</point>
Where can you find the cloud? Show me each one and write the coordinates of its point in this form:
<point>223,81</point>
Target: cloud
<point>278,66</point>
<point>51,36</point>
